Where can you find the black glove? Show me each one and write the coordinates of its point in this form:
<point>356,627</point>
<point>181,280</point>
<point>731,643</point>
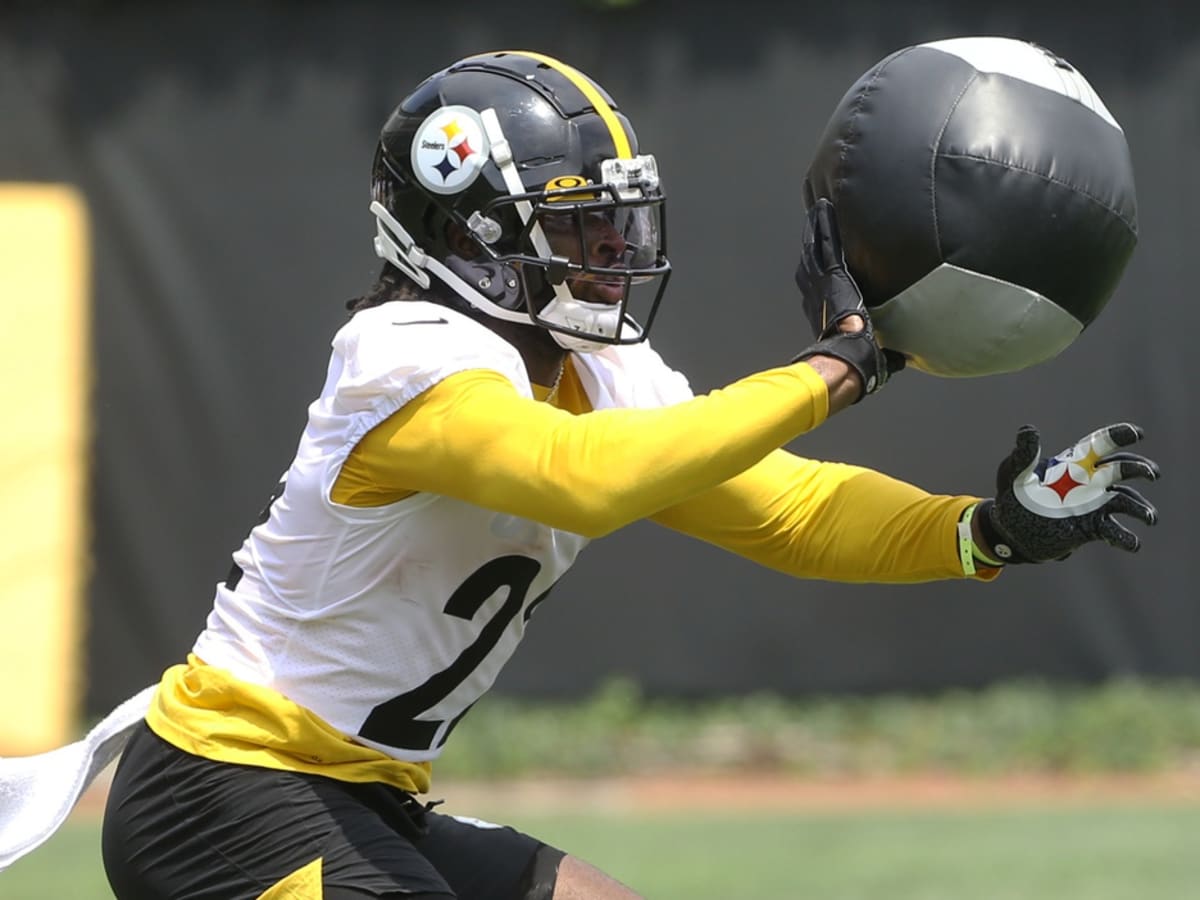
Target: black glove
<point>1046,508</point>
<point>830,295</point>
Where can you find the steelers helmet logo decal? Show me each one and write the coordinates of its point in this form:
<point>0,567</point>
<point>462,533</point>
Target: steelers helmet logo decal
<point>449,149</point>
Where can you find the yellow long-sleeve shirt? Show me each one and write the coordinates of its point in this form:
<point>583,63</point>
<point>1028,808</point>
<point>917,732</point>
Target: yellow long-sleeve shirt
<point>708,467</point>
<point>475,438</point>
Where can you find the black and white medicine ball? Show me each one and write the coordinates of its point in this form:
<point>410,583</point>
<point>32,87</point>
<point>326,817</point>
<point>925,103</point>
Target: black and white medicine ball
<point>986,201</point>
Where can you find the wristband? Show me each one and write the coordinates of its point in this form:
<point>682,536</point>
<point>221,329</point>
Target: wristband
<point>968,551</point>
<point>859,351</point>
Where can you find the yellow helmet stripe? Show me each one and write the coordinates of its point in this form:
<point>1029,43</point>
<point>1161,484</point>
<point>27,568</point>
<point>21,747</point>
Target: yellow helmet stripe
<point>581,81</point>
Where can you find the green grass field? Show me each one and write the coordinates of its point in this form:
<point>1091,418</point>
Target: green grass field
<point>1106,852</point>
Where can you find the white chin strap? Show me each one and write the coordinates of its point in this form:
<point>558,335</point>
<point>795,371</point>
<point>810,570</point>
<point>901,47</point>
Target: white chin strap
<point>394,244</point>
<point>564,310</point>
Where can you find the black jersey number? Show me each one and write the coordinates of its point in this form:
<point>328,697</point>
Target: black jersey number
<point>394,722</point>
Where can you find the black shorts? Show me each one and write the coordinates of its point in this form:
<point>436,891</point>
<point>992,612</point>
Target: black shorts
<point>180,826</point>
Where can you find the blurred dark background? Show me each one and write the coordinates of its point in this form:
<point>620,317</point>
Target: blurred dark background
<point>224,152</point>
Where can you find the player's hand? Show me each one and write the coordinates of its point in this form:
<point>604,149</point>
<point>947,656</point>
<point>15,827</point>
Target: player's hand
<point>1046,508</point>
<point>834,304</point>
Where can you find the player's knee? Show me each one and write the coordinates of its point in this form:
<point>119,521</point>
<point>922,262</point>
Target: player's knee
<point>553,873</point>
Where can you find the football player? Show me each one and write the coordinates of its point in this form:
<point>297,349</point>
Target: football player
<point>490,407</point>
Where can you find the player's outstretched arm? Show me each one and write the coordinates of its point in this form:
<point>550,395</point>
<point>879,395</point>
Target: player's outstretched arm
<point>1046,508</point>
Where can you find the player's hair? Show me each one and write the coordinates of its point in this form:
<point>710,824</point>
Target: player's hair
<point>394,285</point>
<point>390,285</point>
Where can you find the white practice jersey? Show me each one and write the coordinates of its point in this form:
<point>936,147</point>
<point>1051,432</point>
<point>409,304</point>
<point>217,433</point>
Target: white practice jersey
<point>389,622</point>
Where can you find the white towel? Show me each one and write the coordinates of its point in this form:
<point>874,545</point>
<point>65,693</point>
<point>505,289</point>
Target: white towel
<point>38,792</point>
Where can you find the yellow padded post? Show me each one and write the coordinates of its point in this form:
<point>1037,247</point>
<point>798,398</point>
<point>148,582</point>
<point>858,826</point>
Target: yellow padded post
<point>44,379</point>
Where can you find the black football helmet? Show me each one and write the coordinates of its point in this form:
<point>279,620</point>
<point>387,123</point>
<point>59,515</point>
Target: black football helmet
<point>532,160</point>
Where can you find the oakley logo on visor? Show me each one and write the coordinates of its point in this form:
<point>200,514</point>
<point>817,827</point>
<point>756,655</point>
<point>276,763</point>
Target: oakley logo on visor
<point>558,190</point>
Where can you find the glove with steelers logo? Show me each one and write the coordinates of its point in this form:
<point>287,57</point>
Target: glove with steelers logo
<point>830,295</point>
<point>1046,508</point>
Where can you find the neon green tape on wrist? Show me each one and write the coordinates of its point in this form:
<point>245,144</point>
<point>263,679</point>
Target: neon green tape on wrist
<point>966,545</point>
<point>968,551</point>
<point>984,558</point>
